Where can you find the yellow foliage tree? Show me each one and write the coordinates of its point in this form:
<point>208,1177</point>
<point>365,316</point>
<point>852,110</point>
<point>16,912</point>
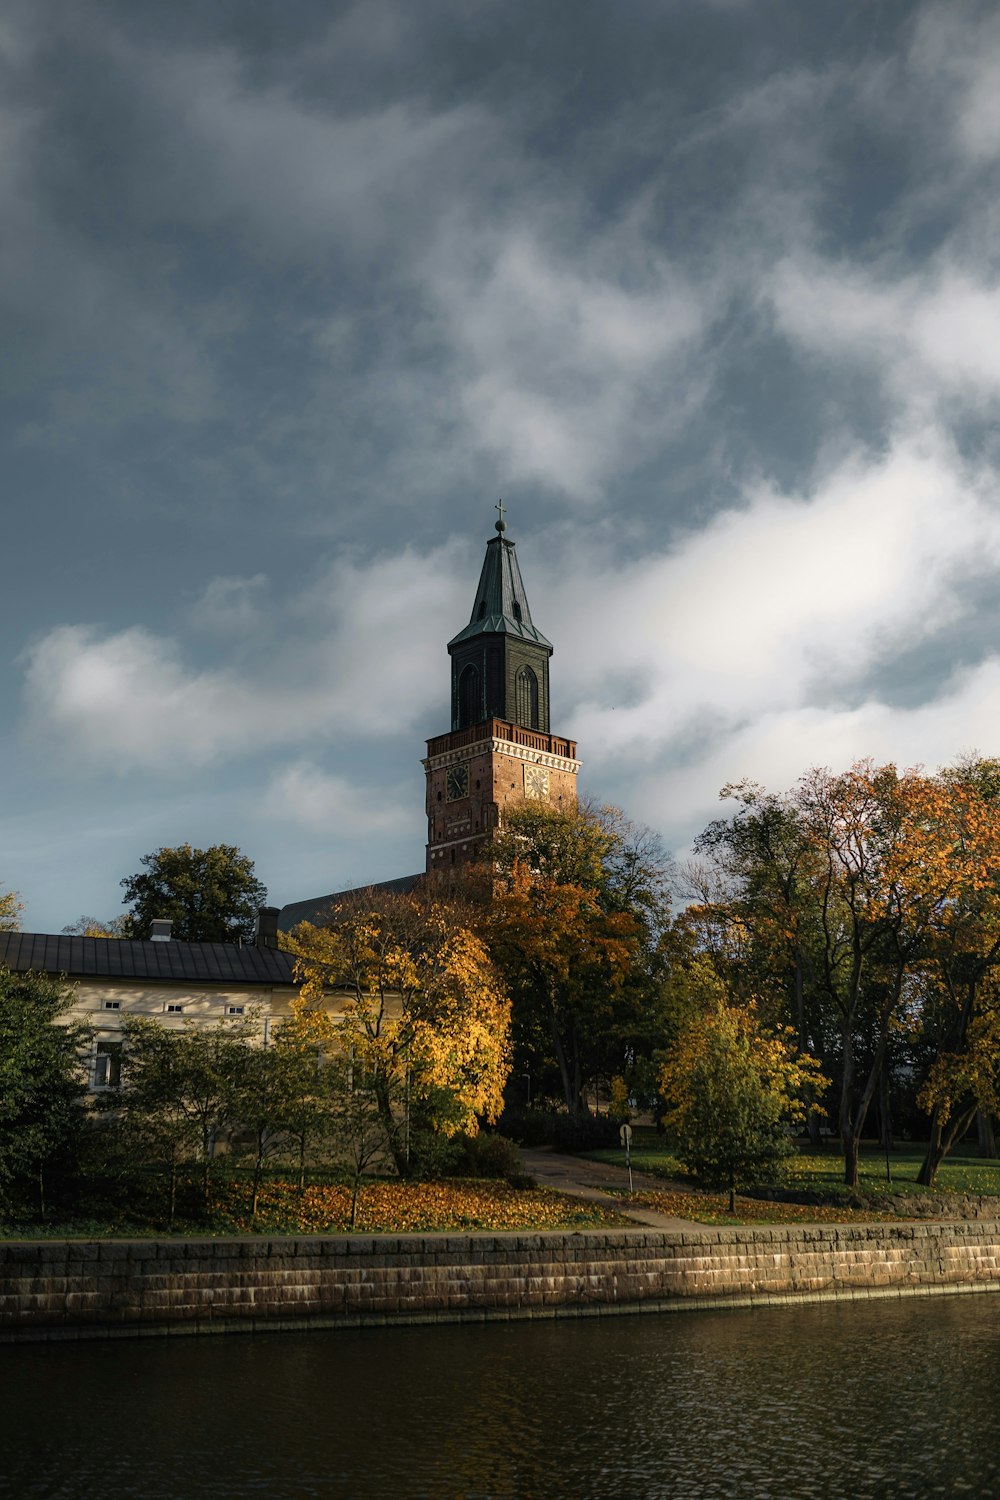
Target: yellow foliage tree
<point>427,1019</point>
<point>11,908</point>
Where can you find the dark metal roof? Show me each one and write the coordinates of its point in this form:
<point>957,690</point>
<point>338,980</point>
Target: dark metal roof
<point>501,606</point>
<point>125,958</point>
<point>317,907</point>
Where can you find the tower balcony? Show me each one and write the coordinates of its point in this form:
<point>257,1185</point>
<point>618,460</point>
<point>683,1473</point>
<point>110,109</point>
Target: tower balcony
<point>501,729</point>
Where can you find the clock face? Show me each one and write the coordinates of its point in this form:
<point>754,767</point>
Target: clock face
<point>536,782</point>
<point>458,782</point>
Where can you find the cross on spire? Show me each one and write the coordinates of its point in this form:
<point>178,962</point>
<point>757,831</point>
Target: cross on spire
<point>501,524</point>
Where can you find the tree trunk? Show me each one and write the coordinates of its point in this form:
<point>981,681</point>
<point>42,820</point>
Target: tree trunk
<point>935,1152</point>
<point>852,1144</point>
<point>959,1126</point>
<point>387,1118</point>
<point>579,1102</point>
<point>173,1190</point>
<point>849,1138</point>
<point>41,1190</point>
<point>987,1135</point>
<point>258,1168</point>
<point>732,1193</point>
<point>885,1118</point>
<point>560,1052</point>
<point>302,1162</point>
<point>354,1199</point>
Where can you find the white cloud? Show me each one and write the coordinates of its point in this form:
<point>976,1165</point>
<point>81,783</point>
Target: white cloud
<point>956,57</point>
<point>300,173</point>
<point>774,609</point>
<point>128,700</point>
<point>355,656</point>
<point>334,805</point>
<point>780,745</point>
<point>933,335</point>
<point>567,365</point>
<point>230,606</point>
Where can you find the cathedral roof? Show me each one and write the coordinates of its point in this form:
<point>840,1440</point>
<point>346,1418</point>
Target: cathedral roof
<point>317,908</point>
<point>501,606</point>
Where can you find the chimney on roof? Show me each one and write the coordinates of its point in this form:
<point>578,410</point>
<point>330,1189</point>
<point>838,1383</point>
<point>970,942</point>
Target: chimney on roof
<point>159,929</point>
<point>266,935</point>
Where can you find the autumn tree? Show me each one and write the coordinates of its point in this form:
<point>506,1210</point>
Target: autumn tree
<point>963,957</point>
<point>426,1019</point>
<point>905,855</point>
<point>767,857</point>
<point>732,1086</point>
<point>579,903</point>
<point>11,908</point>
<point>845,905</point>
<point>211,895</point>
<point>963,1081</point>
<point>85,926</point>
<point>597,848</point>
<point>42,1080</point>
<point>566,960</point>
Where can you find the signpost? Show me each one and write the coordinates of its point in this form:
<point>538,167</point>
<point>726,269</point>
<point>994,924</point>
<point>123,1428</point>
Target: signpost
<point>625,1136</point>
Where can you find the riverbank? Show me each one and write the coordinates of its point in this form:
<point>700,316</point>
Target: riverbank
<point>120,1288</point>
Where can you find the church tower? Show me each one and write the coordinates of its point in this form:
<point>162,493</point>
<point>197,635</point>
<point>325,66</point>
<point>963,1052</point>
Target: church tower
<point>499,750</point>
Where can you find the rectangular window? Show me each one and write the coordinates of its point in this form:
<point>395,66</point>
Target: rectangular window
<point>175,1010</point>
<point>112,1005</point>
<point>235,1010</point>
<point>108,1065</point>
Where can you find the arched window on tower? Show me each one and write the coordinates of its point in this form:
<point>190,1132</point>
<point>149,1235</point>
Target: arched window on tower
<point>470,698</point>
<point>526,686</point>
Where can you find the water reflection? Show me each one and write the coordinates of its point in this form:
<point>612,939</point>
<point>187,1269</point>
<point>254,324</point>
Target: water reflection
<point>880,1399</point>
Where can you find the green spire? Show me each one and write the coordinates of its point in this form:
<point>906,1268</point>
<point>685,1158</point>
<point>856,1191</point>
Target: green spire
<point>501,605</point>
<point>500,662</point>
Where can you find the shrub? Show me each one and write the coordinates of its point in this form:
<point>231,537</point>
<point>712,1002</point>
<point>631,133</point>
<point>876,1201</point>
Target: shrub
<point>536,1127</point>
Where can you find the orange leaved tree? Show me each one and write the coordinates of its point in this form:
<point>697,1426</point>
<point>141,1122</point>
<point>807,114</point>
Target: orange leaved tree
<point>567,959</point>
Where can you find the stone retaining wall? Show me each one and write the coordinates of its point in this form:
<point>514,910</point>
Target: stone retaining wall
<point>71,1289</point>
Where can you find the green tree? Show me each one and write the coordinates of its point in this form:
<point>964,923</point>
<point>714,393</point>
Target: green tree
<point>308,1087</point>
<point>358,1125</point>
<point>42,1080</point>
<point>210,895</point>
<point>732,1086</point>
<point>181,1090</point>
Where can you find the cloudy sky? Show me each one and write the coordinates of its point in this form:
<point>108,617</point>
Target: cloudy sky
<point>707,290</point>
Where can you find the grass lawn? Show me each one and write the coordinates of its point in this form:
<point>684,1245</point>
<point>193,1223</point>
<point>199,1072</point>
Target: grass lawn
<point>713,1208</point>
<point>823,1172</point>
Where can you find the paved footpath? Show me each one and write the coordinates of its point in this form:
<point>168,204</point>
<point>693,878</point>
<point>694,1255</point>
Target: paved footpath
<point>590,1180</point>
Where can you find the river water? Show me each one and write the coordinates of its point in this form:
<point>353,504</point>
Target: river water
<point>893,1398</point>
